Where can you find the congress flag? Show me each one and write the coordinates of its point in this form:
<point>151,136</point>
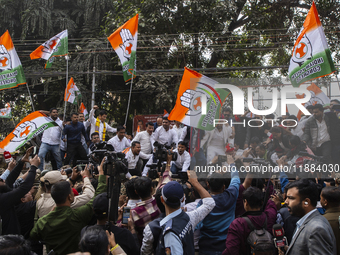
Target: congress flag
<point>31,126</point>
<point>83,110</point>
<point>55,47</point>
<point>11,71</point>
<point>72,93</point>
<point>317,97</point>
<point>6,112</point>
<point>124,42</point>
<point>311,57</point>
<point>188,108</point>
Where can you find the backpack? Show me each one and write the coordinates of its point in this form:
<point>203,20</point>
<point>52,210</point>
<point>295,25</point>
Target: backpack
<point>260,241</point>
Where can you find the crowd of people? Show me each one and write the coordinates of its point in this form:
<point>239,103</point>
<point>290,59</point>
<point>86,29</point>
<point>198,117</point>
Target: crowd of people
<point>181,209</point>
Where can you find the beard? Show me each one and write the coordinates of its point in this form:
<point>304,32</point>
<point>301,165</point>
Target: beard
<point>297,210</point>
<point>4,188</point>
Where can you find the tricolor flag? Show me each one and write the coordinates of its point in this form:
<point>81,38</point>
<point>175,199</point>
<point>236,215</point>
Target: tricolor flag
<point>11,71</point>
<point>124,42</point>
<point>165,113</point>
<point>311,57</point>
<point>317,97</point>
<point>188,108</point>
<point>83,110</point>
<point>6,112</point>
<point>55,47</point>
<point>72,93</point>
<point>31,126</point>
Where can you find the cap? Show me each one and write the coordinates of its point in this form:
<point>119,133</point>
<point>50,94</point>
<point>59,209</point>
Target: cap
<point>53,177</point>
<point>172,193</point>
<point>101,204</point>
<point>229,148</point>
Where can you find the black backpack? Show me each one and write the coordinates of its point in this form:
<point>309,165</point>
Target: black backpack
<point>260,241</point>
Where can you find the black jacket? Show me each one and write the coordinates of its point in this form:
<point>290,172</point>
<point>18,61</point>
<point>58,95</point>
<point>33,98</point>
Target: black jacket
<point>8,200</point>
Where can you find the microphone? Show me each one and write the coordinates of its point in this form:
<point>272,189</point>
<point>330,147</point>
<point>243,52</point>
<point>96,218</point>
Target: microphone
<point>280,240</point>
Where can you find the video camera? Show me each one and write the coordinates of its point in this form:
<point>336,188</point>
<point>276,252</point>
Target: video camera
<point>161,154</point>
<point>163,150</point>
<point>115,163</point>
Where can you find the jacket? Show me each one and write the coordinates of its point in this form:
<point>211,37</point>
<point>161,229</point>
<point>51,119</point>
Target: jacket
<point>315,236</point>
<point>333,216</point>
<point>60,229</point>
<point>10,223</point>
<point>311,132</point>
<point>236,242</point>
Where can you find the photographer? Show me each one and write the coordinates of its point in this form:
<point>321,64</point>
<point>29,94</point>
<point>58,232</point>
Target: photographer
<point>134,165</point>
<point>183,159</point>
<point>46,203</point>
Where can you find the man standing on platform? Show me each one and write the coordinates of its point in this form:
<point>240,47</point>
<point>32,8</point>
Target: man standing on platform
<point>51,140</point>
<point>74,146</point>
<point>98,124</point>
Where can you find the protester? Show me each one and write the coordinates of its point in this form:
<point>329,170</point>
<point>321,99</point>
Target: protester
<point>214,228</point>
<point>98,124</point>
<point>183,159</point>
<point>51,138</point>
<point>144,137</point>
<point>135,165</point>
<point>74,147</point>
<point>119,141</point>
<point>158,123</point>
<point>214,141</point>
<point>239,230</point>
<point>319,141</point>
<point>133,198</point>
<point>10,197</point>
<point>164,135</point>
<point>147,210</point>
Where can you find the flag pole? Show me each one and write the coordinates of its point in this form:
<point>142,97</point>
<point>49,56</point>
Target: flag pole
<point>66,57</point>
<point>29,93</point>
<point>13,122</point>
<point>127,110</point>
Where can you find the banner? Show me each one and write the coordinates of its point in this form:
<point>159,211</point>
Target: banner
<point>55,47</point>
<point>124,42</point>
<point>6,112</point>
<point>83,110</point>
<point>11,71</point>
<point>311,57</point>
<point>317,97</point>
<point>72,93</point>
<point>188,104</point>
<point>31,126</point>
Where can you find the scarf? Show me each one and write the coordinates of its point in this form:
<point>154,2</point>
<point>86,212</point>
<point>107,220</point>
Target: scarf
<point>97,128</point>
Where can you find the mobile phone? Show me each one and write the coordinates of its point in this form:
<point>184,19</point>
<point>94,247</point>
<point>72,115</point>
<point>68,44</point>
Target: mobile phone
<point>126,214</point>
<point>81,167</point>
<point>34,151</point>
